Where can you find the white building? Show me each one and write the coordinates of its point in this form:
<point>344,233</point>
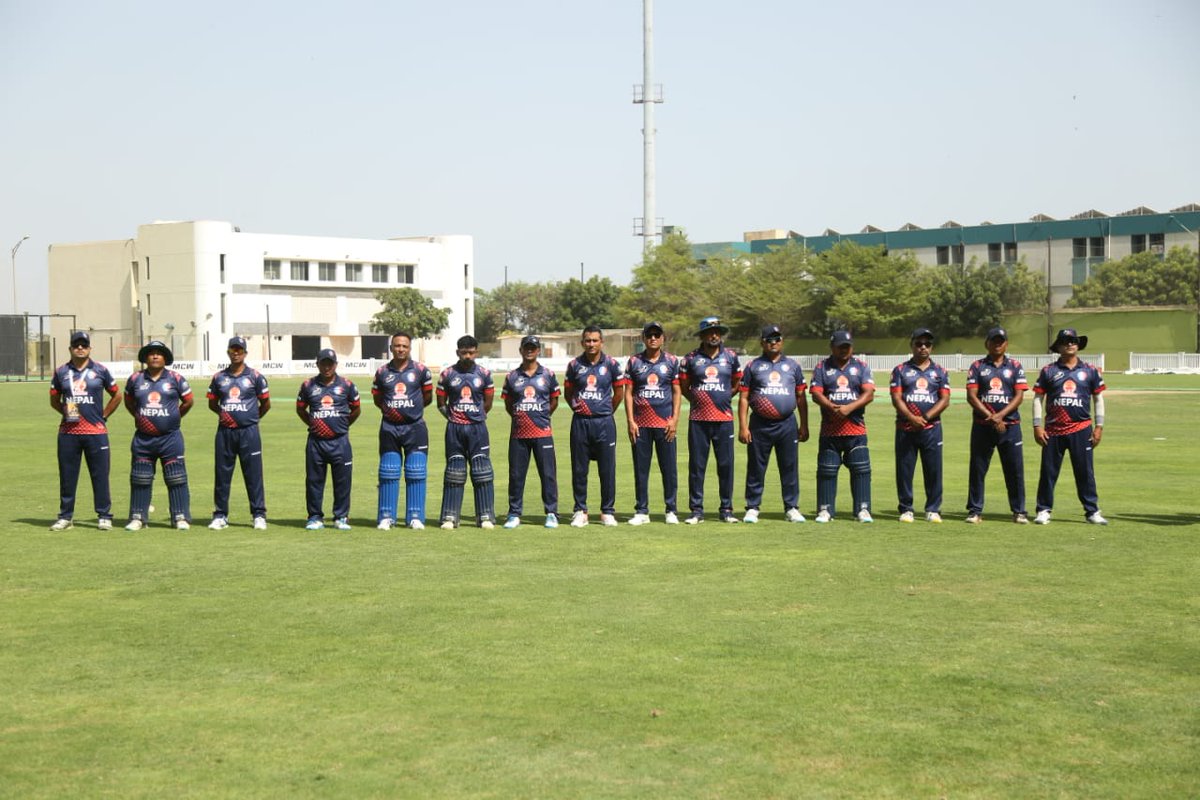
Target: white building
<point>195,284</point>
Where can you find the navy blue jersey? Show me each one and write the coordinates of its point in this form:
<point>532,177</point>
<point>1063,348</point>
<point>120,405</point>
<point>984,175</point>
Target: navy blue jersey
<point>710,384</point>
<point>920,389</point>
<point>81,392</point>
<point>403,391</point>
<point>157,400</point>
<point>997,385</point>
<point>773,388</point>
<point>237,396</point>
<point>650,385</point>
<point>1068,393</point>
<point>329,405</point>
<point>593,385</point>
<point>842,386</point>
<point>465,393</point>
<point>531,401</point>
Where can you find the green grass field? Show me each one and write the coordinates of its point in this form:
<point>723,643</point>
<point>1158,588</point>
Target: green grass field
<point>721,661</point>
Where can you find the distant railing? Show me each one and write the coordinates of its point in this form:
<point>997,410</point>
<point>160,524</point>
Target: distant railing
<point>1164,362</point>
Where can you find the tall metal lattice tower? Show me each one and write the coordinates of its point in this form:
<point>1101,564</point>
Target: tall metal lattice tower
<point>648,226</point>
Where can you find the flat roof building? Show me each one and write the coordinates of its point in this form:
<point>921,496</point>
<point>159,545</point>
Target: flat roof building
<point>195,284</point>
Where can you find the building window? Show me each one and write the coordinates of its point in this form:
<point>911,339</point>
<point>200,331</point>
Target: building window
<point>466,276</point>
<point>958,253</point>
<point>354,273</point>
<point>379,273</point>
<point>1137,243</point>
<point>943,255</point>
<point>327,271</point>
<point>222,267</point>
<point>1097,246</point>
<point>1079,248</point>
<point>1158,243</point>
<point>222,313</point>
<point>148,311</point>
<point>271,269</point>
<point>405,273</point>
<point>1010,252</point>
<point>147,267</point>
<point>299,270</point>
<point>995,252</point>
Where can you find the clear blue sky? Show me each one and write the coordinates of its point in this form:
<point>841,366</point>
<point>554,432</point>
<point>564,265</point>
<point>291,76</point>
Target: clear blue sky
<point>512,121</point>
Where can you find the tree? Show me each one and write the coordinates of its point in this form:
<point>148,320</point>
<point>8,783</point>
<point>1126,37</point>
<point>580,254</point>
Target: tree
<point>1142,279</point>
<point>776,287</point>
<point>966,300</point>
<point>866,291</point>
<point>408,310</point>
<point>590,302</point>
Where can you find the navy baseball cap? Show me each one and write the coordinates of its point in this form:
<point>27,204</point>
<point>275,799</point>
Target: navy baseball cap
<point>238,342</point>
<point>81,336</point>
<point>652,326</point>
<point>919,332</point>
<point>770,331</point>
<point>156,346</point>
<point>327,355</point>
<point>531,341</point>
<point>711,324</point>
<point>996,333</point>
<point>841,337</point>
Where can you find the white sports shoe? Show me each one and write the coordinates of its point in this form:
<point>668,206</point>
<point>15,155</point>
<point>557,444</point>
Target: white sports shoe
<point>694,519</point>
<point>135,525</point>
<point>62,525</point>
<point>1042,518</point>
<point>551,521</point>
<point>907,516</point>
<point>182,524</point>
<point>793,515</point>
<point>218,524</point>
<point>973,518</point>
<point>512,522</point>
<point>104,524</point>
<point>672,518</point>
<point>639,519</point>
<point>823,516</point>
<point>751,516</point>
<point>933,517</point>
<point>416,525</point>
<point>448,525</point>
<point>1096,519</point>
<point>486,524</point>
<point>314,524</point>
<point>579,519</point>
<point>608,520</point>
<point>865,516</point>
<point>260,523</point>
<point>385,524</point>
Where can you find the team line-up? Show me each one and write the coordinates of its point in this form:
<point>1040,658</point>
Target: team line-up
<point>772,418</point>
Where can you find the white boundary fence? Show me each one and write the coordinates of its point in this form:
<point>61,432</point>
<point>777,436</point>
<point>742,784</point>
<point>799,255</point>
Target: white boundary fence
<point>1186,363</point>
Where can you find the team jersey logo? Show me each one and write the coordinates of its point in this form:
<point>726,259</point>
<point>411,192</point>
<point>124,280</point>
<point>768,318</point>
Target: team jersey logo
<point>234,393</point>
<point>399,390</point>
<point>843,382</point>
<point>530,393</point>
<point>1082,376</point>
<point>996,384</point>
<point>154,400</point>
<point>476,382</point>
<point>1008,373</point>
<point>79,386</point>
<point>410,376</point>
<point>922,385</point>
<point>1068,387</point>
<point>652,380</point>
<point>465,394</point>
<point>326,402</point>
<point>603,370</point>
<point>774,378</point>
<point>854,370</point>
<point>591,381</point>
<point>710,373</point>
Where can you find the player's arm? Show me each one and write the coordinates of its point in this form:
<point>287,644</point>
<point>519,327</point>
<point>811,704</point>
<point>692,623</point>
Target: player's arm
<point>56,399</point>
<point>864,398</point>
<point>264,405</point>
<point>377,398</point>
<point>802,411</point>
<point>302,412</point>
<point>618,394</point>
<point>744,415</point>
<point>941,405</point>
<point>131,404</point>
<point>673,422</point>
<point>975,403</point>
<point>685,385</point>
<point>488,397</point>
<point>355,412</point>
<point>509,403</point>
<point>902,409</point>
<point>553,404</point>
<point>1039,433</point>
<point>631,424</point>
<point>1098,425</point>
<point>185,404</point>
<point>427,393</point>
<point>114,400</point>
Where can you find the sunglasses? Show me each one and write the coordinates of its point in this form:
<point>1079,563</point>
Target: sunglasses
<point>773,339</point>
<point>84,345</point>
<point>923,343</point>
<point>653,335</point>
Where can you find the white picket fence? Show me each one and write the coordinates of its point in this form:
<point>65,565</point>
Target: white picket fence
<point>1179,363</point>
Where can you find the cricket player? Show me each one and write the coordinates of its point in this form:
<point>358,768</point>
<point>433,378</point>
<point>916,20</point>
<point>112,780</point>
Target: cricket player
<point>920,392</point>
<point>652,415</point>
<point>77,396</point>
<point>771,400</point>
<point>158,399</point>
<point>401,390</point>
<point>464,397</point>
<point>328,405</point>
<point>996,385</point>
<point>708,378</point>
<point>530,397</point>
<point>240,397</point>
<point>1067,390</point>
<point>843,386</point>
<point>594,387</point>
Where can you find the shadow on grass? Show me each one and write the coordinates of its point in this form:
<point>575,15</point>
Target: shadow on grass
<point>1169,520</point>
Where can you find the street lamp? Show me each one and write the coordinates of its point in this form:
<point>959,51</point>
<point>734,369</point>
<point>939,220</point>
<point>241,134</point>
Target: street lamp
<point>15,248</point>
